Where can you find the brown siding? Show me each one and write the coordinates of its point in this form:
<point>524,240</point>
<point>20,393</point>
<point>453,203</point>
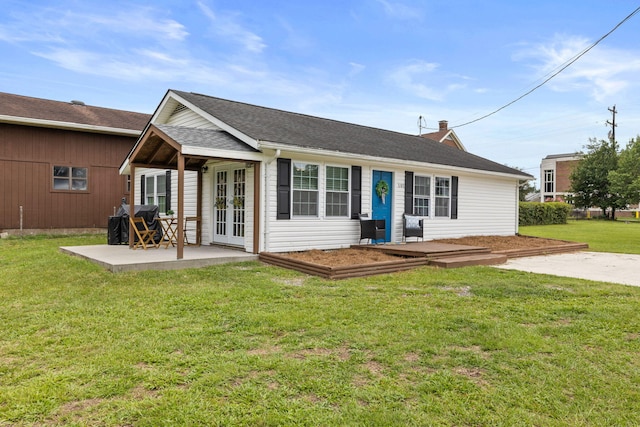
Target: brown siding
<point>27,156</point>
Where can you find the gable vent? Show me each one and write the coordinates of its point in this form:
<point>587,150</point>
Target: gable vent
<point>179,108</point>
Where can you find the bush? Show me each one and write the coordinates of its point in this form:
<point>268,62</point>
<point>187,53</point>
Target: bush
<point>536,213</point>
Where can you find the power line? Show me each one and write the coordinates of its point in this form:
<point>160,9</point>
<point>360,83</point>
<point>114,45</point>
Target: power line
<point>564,67</point>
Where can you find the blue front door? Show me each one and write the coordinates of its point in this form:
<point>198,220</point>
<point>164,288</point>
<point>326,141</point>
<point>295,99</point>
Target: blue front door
<point>381,206</point>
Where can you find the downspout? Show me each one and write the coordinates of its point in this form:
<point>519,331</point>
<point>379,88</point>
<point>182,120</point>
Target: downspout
<point>266,196</point>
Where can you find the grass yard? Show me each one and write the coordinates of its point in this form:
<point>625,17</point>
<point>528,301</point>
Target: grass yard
<point>250,344</point>
<point>602,236</point>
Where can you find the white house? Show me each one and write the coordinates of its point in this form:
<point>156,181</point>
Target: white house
<point>262,179</point>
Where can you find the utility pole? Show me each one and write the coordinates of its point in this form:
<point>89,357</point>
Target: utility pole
<point>612,123</point>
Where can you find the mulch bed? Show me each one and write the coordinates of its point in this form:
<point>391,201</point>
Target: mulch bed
<point>344,263</point>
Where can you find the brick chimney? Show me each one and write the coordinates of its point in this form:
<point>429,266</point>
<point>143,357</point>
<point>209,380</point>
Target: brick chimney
<point>443,125</point>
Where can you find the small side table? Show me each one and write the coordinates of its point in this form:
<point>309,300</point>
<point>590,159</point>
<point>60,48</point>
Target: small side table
<point>169,228</point>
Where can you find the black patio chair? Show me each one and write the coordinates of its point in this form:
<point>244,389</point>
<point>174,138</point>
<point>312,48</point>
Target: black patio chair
<point>372,229</point>
<point>412,226</point>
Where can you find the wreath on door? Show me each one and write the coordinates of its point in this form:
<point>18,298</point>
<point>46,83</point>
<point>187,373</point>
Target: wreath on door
<point>221,203</point>
<point>382,188</point>
<point>238,202</point>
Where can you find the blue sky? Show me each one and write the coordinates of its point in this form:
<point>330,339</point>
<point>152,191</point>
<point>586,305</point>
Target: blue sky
<point>380,63</point>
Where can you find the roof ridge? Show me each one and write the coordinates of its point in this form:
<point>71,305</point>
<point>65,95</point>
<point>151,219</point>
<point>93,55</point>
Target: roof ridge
<point>32,111</point>
<point>303,114</point>
<point>72,103</point>
<point>306,131</point>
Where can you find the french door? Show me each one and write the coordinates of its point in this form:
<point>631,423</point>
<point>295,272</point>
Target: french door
<point>229,194</point>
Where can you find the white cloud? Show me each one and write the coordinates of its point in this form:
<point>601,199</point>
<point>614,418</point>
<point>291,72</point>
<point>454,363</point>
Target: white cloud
<point>602,72</point>
<point>294,40</point>
<point>412,78</point>
<point>142,46</point>
<point>134,44</point>
<point>355,69</point>
<point>226,26</point>
<point>399,10</point>
<point>57,26</point>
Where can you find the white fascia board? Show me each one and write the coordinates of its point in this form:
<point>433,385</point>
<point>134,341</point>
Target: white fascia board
<point>362,158</point>
<point>219,123</point>
<point>224,154</point>
<point>455,138</point>
<point>161,110</point>
<point>206,152</point>
<point>54,124</point>
<point>124,169</point>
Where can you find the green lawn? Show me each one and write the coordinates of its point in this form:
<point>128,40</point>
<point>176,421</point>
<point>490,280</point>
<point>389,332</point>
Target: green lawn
<point>250,344</point>
<point>602,236</point>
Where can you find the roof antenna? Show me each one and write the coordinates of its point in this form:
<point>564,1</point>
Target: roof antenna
<point>422,123</point>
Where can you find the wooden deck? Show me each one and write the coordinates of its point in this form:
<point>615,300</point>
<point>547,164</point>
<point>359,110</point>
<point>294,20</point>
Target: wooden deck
<point>444,255</point>
<point>414,254</point>
<point>426,249</point>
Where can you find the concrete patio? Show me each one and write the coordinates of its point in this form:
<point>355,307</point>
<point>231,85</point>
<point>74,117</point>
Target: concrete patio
<point>119,258</point>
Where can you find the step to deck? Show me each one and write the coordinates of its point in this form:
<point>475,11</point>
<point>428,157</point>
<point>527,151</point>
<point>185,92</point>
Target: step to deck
<point>428,249</point>
<point>468,260</point>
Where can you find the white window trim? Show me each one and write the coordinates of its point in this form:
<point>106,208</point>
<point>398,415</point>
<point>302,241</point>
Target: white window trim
<point>432,196</point>
<point>552,173</point>
<point>429,197</point>
<point>323,202</point>
<point>319,190</point>
<point>322,191</point>
<point>448,197</point>
<point>155,176</point>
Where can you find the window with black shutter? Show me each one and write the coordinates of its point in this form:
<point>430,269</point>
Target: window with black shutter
<point>142,189</point>
<point>283,184</point>
<point>356,191</point>
<point>168,191</point>
<point>454,197</point>
<point>408,192</point>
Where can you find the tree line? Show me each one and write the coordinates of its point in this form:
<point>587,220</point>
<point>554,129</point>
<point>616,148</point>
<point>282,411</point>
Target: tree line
<point>606,177</point>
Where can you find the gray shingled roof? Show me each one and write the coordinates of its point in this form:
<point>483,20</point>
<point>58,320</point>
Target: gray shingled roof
<point>72,113</point>
<point>205,138</point>
<point>299,130</point>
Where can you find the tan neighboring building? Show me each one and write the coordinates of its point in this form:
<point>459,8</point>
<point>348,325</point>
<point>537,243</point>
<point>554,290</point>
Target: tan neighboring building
<point>555,172</point>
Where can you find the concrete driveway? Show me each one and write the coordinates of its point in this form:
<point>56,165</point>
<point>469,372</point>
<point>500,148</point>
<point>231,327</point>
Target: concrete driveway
<point>605,267</point>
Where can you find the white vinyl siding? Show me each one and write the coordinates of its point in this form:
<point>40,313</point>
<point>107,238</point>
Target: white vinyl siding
<point>304,233</point>
<point>189,118</point>
<point>486,206</point>
<point>476,216</point>
<point>190,189</point>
